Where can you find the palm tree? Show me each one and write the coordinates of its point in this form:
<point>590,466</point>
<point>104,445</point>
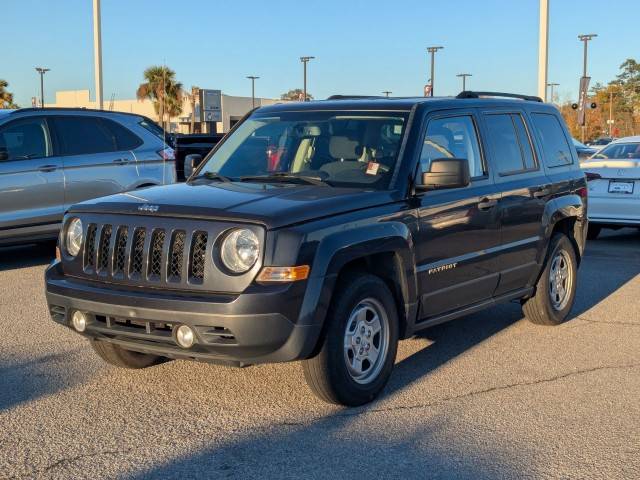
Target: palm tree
<point>6,98</point>
<point>162,88</point>
<point>296,95</point>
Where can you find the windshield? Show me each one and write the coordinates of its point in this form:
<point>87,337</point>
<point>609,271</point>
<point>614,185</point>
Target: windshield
<point>337,148</point>
<point>619,151</point>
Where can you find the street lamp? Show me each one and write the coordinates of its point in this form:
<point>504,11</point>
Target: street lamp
<point>304,61</point>
<point>42,71</point>
<point>253,89</point>
<point>585,38</point>
<point>97,52</point>
<point>387,93</point>
<point>464,80</point>
<point>551,86</point>
<point>432,51</point>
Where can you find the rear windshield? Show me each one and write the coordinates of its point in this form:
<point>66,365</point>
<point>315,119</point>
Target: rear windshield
<point>619,151</point>
<point>339,148</point>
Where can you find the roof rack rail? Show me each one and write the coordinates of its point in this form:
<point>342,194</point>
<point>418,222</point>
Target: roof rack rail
<point>472,94</point>
<point>353,97</point>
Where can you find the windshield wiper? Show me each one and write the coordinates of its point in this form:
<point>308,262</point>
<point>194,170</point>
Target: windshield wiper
<point>214,176</point>
<point>284,177</point>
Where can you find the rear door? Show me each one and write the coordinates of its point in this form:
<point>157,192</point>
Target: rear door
<point>525,189</point>
<point>458,228</point>
<point>95,163</point>
<point>31,178</point>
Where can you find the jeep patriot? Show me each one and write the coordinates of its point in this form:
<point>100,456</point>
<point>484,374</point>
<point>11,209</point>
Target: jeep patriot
<point>327,231</point>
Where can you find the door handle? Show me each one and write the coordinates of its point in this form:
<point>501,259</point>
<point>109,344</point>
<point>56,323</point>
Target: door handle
<point>487,203</point>
<point>48,168</point>
<point>541,193</point>
<point>121,161</point>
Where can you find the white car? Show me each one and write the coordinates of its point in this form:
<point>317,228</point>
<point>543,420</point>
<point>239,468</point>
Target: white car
<point>613,176</point>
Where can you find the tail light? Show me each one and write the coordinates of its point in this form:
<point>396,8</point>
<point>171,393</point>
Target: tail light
<point>592,176</point>
<point>167,153</point>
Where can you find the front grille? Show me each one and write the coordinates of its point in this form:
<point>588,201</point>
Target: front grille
<point>103,250</point>
<point>155,262</point>
<point>198,255</point>
<point>136,254</point>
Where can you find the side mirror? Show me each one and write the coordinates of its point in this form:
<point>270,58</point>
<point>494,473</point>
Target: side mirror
<point>191,162</point>
<point>446,173</point>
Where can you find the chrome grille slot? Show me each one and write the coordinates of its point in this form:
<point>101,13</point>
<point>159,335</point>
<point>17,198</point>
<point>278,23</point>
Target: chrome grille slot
<point>90,247</point>
<point>119,254</point>
<point>198,256</point>
<point>103,249</point>
<point>176,256</point>
<point>137,251</point>
<point>155,256</point>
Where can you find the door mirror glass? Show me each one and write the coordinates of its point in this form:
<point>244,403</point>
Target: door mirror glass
<point>191,162</point>
<point>446,173</point>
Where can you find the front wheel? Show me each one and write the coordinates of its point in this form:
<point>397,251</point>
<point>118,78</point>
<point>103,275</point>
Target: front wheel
<point>119,357</point>
<point>556,288</point>
<point>359,346</point>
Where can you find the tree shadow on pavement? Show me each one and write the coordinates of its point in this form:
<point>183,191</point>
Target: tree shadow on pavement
<point>23,256</point>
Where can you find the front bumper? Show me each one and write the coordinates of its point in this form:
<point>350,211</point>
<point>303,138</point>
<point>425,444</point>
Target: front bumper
<point>258,326</point>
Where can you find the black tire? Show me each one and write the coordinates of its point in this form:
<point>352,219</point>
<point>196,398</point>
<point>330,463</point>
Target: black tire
<point>327,373</point>
<point>119,357</point>
<point>593,232</point>
<point>540,308</point>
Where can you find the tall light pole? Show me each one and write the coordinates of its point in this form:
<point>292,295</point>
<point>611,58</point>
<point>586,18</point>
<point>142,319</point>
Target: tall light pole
<point>551,87</point>
<point>387,93</point>
<point>42,71</point>
<point>253,89</point>
<point>432,51</point>
<point>543,49</point>
<point>304,61</point>
<point>464,80</point>
<point>584,84</point>
<point>97,52</point>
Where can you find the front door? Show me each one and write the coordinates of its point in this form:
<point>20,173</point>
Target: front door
<point>31,179</point>
<point>458,228</point>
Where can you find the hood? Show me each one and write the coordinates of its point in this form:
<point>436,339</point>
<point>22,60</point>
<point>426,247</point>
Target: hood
<point>273,205</point>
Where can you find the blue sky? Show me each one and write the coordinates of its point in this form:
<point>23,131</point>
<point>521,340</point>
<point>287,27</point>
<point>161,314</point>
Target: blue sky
<point>362,47</point>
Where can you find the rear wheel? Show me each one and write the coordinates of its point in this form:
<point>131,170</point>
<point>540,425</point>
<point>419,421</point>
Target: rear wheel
<point>556,288</point>
<point>119,357</point>
<point>359,348</point>
<point>593,232</point>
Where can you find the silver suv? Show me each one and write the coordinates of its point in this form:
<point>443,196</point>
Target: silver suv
<point>52,158</point>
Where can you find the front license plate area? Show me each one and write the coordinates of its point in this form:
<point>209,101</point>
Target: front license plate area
<point>616,186</point>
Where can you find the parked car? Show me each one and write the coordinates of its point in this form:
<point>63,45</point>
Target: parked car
<point>192,144</point>
<point>600,143</point>
<point>614,186</point>
<point>370,220</point>
<point>584,152</point>
<point>52,158</point>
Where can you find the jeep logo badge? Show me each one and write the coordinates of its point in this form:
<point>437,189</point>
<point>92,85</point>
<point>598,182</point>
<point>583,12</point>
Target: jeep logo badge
<point>148,208</point>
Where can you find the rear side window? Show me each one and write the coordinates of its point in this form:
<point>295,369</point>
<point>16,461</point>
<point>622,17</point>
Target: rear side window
<point>24,139</point>
<point>152,127</point>
<point>557,151</point>
<point>83,135</point>
<point>122,136</point>
<point>511,143</point>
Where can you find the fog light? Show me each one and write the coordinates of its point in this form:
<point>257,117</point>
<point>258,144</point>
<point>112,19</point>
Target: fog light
<point>79,321</point>
<point>185,336</point>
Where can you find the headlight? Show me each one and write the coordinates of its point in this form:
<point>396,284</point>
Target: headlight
<point>239,251</point>
<point>73,240</point>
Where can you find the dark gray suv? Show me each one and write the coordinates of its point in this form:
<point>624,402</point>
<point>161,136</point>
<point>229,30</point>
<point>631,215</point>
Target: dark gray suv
<point>53,158</point>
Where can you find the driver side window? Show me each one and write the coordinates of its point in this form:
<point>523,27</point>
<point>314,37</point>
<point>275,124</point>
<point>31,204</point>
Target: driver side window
<point>452,137</point>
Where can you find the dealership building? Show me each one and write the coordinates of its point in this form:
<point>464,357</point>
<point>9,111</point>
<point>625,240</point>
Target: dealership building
<point>214,111</point>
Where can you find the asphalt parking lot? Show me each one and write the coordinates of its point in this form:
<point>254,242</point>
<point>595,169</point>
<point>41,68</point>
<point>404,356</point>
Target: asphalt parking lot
<point>487,396</point>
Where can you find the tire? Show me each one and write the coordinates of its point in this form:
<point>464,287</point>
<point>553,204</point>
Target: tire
<point>593,232</point>
<point>119,357</point>
<point>332,374</point>
<point>545,307</point>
